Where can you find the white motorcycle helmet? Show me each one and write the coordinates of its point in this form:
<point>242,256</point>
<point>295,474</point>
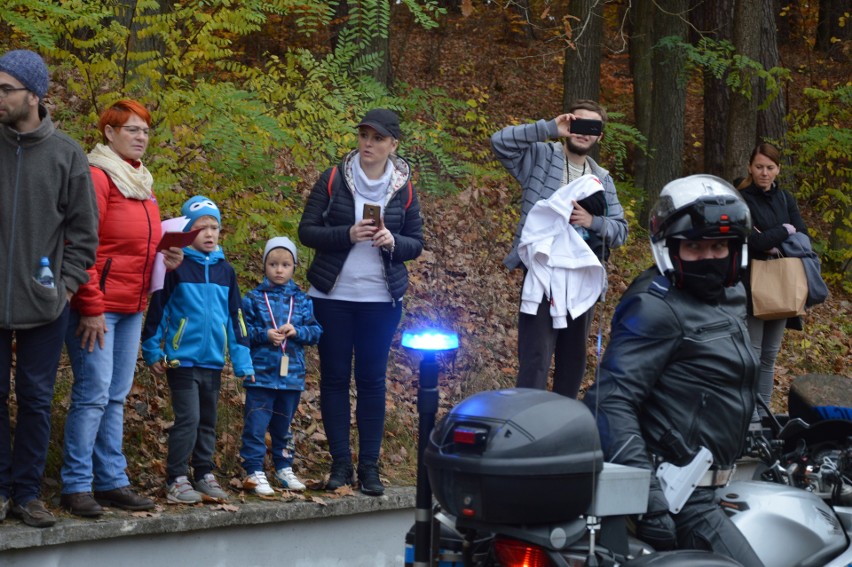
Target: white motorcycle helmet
<point>699,207</point>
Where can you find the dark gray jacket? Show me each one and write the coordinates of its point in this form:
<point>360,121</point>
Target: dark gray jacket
<point>678,374</point>
<point>47,208</point>
<point>326,222</point>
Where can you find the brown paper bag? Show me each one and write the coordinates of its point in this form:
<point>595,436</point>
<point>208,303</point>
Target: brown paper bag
<point>779,288</point>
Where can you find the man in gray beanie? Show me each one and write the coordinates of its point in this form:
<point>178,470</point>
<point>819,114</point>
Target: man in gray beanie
<point>48,213</point>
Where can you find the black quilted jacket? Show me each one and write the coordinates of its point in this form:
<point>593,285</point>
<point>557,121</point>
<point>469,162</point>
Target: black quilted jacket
<point>326,221</point>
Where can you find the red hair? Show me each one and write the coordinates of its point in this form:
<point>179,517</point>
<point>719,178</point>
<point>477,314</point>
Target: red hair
<point>119,113</point>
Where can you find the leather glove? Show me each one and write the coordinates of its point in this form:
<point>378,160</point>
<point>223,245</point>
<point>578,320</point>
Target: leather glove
<point>656,527</point>
<point>658,530</point>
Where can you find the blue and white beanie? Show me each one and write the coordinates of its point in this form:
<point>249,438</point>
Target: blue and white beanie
<point>198,207</point>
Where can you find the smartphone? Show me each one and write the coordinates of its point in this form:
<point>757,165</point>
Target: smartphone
<point>586,127</point>
<point>374,212</point>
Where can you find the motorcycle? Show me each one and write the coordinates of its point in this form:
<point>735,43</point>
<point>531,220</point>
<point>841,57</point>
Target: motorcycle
<point>520,480</point>
<point>801,490</point>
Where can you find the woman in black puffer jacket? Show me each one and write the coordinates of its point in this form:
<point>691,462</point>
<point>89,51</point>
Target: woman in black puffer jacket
<point>358,278</point>
<point>775,215</point>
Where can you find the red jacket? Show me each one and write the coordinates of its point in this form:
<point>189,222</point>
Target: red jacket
<point>128,231</point>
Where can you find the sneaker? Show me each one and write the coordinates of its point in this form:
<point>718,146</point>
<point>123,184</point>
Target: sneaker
<point>257,481</point>
<point>368,478</point>
<point>34,514</point>
<point>181,492</point>
<point>341,475</point>
<point>288,479</point>
<point>209,486</point>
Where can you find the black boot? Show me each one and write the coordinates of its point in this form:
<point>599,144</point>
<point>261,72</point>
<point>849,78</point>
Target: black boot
<point>368,477</point>
<point>341,475</point>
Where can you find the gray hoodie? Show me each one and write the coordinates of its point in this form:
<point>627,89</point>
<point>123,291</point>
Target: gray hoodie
<point>47,208</point>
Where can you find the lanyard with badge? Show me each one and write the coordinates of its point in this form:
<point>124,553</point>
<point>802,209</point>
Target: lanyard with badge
<point>285,360</point>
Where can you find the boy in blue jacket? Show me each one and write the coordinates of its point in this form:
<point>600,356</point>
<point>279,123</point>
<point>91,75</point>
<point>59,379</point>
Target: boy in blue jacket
<point>280,321</point>
<point>191,322</point>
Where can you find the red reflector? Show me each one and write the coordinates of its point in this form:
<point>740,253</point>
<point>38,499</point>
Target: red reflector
<point>464,436</point>
<point>514,553</point>
<point>469,512</point>
<point>724,217</point>
<point>724,229</point>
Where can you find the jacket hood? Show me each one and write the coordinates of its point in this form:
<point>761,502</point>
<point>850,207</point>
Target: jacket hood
<point>213,258</point>
<point>399,177</point>
<point>288,288</point>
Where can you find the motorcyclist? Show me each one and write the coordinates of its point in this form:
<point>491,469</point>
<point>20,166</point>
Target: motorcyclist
<point>678,373</point>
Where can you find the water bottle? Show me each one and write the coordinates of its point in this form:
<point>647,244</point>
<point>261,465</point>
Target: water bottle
<point>43,275</point>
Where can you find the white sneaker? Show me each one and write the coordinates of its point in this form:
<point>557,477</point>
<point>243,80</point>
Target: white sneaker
<point>257,481</point>
<point>181,492</point>
<point>288,479</point>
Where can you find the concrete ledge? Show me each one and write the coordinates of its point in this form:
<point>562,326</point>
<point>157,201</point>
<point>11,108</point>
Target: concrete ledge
<point>15,535</point>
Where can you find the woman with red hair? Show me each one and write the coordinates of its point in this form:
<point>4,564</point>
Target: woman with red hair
<point>106,315</point>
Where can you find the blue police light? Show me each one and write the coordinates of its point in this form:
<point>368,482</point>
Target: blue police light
<point>430,340</point>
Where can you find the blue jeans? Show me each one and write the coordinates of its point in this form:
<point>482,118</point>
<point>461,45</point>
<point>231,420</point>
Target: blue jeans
<point>364,330</point>
<point>267,408</point>
<point>37,356</point>
<point>94,428</point>
<point>195,398</point>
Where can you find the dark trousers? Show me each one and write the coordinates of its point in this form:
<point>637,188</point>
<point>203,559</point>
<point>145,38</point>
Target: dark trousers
<point>195,396</point>
<point>364,330</point>
<point>273,410</point>
<point>539,342</point>
<point>37,360</point>
<point>702,524</point>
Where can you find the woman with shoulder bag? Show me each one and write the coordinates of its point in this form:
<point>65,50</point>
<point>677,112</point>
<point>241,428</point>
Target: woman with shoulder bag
<point>775,215</point>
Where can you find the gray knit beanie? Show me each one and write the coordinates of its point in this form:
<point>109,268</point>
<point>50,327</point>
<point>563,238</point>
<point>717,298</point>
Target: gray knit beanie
<point>29,68</point>
<point>279,242</point>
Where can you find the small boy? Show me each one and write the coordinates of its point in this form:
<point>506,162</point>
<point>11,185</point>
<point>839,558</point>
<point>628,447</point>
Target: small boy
<point>196,317</point>
<point>280,321</point>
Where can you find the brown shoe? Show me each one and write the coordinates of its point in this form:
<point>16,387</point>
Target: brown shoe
<point>81,504</point>
<point>123,498</point>
<point>34,514</point>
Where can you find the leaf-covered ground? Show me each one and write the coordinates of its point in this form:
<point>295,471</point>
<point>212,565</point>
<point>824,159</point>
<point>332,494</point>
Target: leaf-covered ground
<point>460,282</point>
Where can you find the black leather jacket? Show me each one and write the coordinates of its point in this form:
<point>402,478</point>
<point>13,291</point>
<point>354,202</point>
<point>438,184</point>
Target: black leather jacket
<point>678,374</point>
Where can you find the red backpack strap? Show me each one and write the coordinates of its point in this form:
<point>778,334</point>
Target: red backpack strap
<point>331,180</point>
<point>410,195</point>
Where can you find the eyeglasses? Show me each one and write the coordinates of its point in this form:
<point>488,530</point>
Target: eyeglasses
<point>133,130</point>
<point>6,91</point>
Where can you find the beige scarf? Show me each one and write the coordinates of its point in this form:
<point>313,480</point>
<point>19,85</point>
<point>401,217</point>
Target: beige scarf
<point>133,182</point>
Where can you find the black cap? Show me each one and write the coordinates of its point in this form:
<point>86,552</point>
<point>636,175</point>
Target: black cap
<point>383,121</point>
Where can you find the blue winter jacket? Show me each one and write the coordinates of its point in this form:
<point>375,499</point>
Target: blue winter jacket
<point>265,357</point>
<point>196,318</point>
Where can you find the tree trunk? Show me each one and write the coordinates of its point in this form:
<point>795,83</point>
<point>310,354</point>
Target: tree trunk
<point>641,42</point>
<point>717,96</point>
<point>669,101</point>
<point>581,73</point>
<point>771,122</point>
<point>742,119</point>
<point>376,43</point>
<point>833,28</point>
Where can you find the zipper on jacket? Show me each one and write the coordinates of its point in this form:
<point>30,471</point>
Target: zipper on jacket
<point>104,273</point>
<point>179,333</point>
<point>10,271</point>
<point>143,292</point>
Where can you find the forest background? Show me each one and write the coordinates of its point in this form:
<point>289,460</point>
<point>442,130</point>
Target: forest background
<point>253,99</point>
